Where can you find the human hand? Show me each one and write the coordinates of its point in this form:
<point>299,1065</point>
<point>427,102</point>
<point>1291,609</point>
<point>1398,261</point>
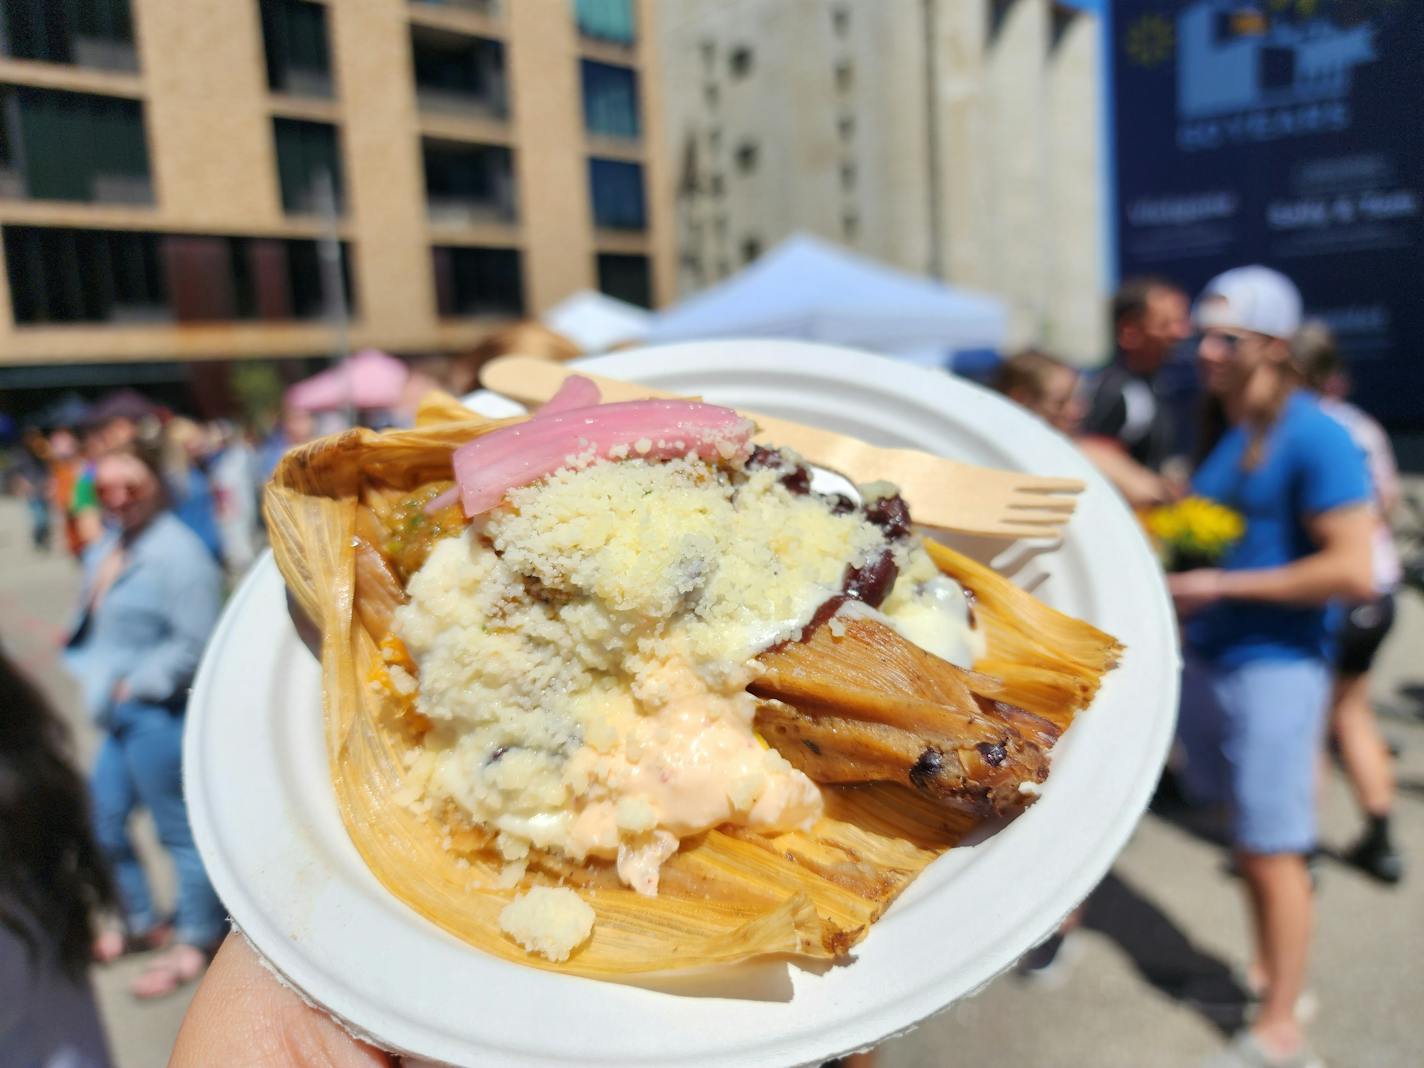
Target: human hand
<point>122,691</point>
<point>1147,489</point>
<point>1194,590</point>
<point>242,1014</point>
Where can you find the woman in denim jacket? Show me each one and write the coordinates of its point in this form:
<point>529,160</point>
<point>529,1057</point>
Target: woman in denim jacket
<point>150,598</point>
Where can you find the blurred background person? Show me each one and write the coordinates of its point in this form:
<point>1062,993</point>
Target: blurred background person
<point>295,427</point>
<point>1256,682</point>
<point>52,881</point>
<point>149,599</point>
<point>1363,626</point>
<point>527,337</point>
<point>1128,430</point>
<point>30,480</point>
<point>84,502</point>
<point>234,476</point>
<point>1044,385</point>
<point>1048,388</point>
<point>185,458</point>
<point>65,467</point>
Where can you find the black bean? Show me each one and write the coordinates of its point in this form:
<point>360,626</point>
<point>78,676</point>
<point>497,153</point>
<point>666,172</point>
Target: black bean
<point>798,481</point>
<point>763,457</point>
<point>993,753</point>
<point>872,582</point>
<point>928,768</point>
<point>890,514</point>
<point>825,612</point>
<point>797,478</point>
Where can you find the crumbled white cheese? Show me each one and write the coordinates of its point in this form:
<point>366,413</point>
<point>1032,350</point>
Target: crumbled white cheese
<point>583,656</point>
<point>550,921</point>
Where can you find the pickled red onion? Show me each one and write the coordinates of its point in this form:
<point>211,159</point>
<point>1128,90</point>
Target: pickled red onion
<point>493,464</point>
<point>443,500</point>
<point>576,391</point>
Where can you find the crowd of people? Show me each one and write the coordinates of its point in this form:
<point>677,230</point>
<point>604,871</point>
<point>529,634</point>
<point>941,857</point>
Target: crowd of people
<point>211,475</point>
<point>1279,635</point>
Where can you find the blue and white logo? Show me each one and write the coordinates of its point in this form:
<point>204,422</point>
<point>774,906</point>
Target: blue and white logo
<point>1234,57</point>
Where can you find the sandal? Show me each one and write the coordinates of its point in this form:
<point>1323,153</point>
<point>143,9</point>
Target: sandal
<point>110,944</point>
<point>179,966</point>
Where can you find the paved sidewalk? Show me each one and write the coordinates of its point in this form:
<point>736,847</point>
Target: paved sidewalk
<point>1151,984</point>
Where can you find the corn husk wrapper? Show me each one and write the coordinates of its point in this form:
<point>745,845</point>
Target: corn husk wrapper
<point>727,895</point>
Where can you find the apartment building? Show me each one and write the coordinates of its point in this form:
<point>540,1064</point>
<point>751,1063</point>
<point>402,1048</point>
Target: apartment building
<point>956,138</point>
<point>215,179</point>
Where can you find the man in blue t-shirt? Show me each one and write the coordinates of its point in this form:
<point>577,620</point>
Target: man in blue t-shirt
<point>1256,684</point>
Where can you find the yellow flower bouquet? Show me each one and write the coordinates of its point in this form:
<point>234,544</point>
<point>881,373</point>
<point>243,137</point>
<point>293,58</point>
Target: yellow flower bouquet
<point>1193,532</point>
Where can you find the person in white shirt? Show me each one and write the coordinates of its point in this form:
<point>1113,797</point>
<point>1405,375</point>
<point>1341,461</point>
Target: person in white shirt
<point>1363,627</point>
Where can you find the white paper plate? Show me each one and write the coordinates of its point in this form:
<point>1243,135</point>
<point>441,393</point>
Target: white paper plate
<point>266,820</point>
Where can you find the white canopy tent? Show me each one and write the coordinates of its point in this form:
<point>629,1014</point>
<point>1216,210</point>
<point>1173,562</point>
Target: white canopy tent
<point>813,290</point>
<point>595,322</point>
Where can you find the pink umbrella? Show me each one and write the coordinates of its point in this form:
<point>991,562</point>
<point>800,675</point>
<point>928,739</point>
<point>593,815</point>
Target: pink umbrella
<point>369,379</point>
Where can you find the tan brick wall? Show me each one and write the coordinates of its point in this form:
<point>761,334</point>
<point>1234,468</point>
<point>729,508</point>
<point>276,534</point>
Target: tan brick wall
<point>209,131</point>
<point>552,175</point>
<point>209,116</point>
<point>370,43</point>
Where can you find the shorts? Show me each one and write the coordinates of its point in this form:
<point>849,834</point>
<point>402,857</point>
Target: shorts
<point>1361,633</point>
<point>1251,735</point>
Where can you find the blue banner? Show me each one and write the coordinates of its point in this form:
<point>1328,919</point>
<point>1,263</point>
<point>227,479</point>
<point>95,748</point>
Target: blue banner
<point>1289,133</point>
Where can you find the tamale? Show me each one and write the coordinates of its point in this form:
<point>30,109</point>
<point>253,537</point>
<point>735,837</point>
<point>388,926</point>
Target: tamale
<point>726,895</point>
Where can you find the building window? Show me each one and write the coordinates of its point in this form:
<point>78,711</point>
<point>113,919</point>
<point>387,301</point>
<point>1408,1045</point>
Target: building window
<point>717,185</point>
<point>746,157</point>
<point>457,72</point>
<point>709,53</point>
<point>477,281</point>
<point>610,99</point>
<point>607,20</point>
<point>845,75</point>
<point>998,14</point>
<point>714,139</point>
<point>626,278</point>
<point>740,61</point>
<point>95,33</point>
<point>751,249</point>
<point>847,176</point>
<point>489,8</point>
<point>467,183</point>
<point>850,226</point>
<point>840,21</point>
<point>719,226</point>
<point>73,146</point>
<point>845,126</point>
<point>119,277</point>
<point>711,95</point>
<point>1064,19</point>
<point>307,152</point>
<point>616,189</point>
<point>298,59</point>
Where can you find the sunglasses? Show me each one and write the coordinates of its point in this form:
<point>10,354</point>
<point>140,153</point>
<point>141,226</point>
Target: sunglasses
<point>117,491</point>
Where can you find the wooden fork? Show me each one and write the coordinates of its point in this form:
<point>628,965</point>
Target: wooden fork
<point>943,493</point>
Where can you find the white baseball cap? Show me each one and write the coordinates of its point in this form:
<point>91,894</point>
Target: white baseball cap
<point>1251,298</point>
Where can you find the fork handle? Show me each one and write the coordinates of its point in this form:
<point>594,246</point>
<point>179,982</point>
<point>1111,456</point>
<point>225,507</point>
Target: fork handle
<point>531,380</point>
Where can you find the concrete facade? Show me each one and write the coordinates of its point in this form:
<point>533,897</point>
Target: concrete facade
<point>208,116</point>
<point>957,138</point>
